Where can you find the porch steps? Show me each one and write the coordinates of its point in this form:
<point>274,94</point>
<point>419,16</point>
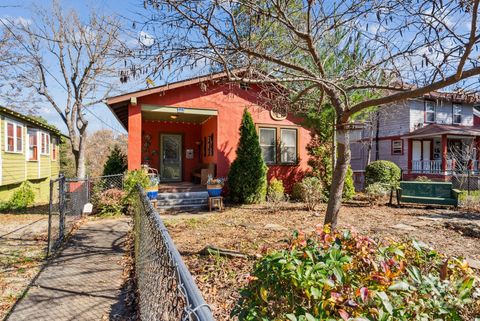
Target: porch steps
<point>182,201</point>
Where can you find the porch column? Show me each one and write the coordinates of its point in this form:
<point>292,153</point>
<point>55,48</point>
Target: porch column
<point>410,152</point>
<point>134,136</point>
<point>444,153</point>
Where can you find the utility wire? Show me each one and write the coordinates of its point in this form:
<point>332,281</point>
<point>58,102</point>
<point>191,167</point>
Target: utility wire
<point>54,78</point>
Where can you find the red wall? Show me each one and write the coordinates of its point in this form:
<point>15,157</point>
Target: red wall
<point>191,134</point>
<point>229,101</point>
<point>208,128</point>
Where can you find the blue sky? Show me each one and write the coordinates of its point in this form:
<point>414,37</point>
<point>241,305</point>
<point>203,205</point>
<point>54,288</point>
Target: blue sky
<point>100,116</point>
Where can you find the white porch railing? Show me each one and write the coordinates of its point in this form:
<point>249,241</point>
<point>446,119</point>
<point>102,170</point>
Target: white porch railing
<point>435,166</point>
<point>427,166</point>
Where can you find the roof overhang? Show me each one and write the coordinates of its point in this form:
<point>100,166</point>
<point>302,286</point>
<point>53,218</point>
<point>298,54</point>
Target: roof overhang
<point>434,130</point>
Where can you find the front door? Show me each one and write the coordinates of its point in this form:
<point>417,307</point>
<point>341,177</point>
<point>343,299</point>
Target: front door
<point>171,157</point>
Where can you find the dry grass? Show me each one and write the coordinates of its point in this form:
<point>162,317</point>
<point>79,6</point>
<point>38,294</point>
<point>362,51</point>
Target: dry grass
<point>23,238</point>
<point>246,229</point>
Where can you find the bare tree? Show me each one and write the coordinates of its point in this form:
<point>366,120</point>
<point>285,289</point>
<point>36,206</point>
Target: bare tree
<point>78,56</point>
<point>353,54</point>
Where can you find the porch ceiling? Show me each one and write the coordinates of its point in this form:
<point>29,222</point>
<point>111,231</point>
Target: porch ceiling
<point>174,117</point>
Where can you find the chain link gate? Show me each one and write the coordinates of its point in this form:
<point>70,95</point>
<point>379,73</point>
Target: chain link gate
<point>68,197</point>
<point>166,288</point>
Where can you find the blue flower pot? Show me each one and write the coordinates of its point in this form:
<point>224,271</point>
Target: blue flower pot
<point>214,190</point>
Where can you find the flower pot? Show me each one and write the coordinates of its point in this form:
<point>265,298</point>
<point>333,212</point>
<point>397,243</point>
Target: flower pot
<point>152,192</point>
<point>214,190</point>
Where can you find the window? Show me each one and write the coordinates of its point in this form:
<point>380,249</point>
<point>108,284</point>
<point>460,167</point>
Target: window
<point>285,139</point>
<point>45,143</point>
<point>288,150</point>
<point>54,148</point>
<point>457,114</point>
<point>397,147</point>
<point>268,143</point>
<point>429,111</point>
<point>32,144</point>
<point>13,137</point>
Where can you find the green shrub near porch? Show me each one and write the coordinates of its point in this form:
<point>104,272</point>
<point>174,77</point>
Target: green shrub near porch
<point>247,179</point>
<point>382,171</point>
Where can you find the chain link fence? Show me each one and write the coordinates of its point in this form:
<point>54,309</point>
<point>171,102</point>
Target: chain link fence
<point>68,197</point>
<point>462,180</point>
<point>166,288</point>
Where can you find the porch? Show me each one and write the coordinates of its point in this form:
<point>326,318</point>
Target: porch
<point>442,150</point>
<point>178,142</point>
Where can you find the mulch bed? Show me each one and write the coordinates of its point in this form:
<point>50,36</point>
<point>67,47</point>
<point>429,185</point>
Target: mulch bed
<point>253,229</point>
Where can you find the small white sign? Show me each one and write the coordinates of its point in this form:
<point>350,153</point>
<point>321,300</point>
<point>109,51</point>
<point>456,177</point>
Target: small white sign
<point>189,153</point>
<point>87,208</point>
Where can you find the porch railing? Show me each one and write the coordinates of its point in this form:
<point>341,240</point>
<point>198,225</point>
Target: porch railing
<point>435,166</point>
<point>427,166</point>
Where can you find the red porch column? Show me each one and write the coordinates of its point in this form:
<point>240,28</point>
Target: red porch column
<point>444,153</point>
<point>134,136</point>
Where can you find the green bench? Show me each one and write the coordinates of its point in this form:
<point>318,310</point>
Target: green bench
<point>429,193</point>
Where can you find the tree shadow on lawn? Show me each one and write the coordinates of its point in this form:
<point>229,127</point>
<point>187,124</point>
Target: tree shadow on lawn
<point>41,209</point>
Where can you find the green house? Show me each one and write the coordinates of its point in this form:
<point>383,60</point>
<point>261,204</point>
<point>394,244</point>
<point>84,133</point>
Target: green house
<point>29,150</point>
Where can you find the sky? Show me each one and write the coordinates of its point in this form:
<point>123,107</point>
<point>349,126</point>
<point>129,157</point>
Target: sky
<point>99,116</point>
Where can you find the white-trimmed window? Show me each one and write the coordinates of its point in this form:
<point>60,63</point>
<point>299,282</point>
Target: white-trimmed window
<point>54,149</point>
<point>457,113</point>
<point>288,148</point>
<point>32,144</point>
<point>268,143</point>
<point>13,137</point>
<point>45,143</point>
<point>430,115</point>
<point>397,147</point>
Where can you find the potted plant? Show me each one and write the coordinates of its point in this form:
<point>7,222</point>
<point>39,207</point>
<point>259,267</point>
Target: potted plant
<point>215,186</point>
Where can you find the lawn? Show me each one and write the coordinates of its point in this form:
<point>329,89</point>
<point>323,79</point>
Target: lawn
<point>252,230</point>
<point>23,238</point>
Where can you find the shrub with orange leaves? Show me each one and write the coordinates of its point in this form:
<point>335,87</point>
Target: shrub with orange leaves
<point>343,276</point>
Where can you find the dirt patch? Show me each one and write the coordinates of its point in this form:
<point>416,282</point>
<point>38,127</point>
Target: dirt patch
<point>23,239</point>
<point>252,229</point>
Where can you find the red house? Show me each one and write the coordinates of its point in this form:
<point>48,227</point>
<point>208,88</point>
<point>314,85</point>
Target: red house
<point>185,126</point>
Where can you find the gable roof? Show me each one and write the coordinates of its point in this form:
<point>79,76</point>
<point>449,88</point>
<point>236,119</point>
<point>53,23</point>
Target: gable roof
<point>30,120</point>
<point>118,104</point>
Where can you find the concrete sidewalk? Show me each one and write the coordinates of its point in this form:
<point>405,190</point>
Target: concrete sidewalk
<point>84,282</point>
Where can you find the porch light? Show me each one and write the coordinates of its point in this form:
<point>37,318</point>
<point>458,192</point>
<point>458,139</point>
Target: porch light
<point>173,116</point>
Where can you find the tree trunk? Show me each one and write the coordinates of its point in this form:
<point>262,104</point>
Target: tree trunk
<point>338,179</point>
<point>80,158</point>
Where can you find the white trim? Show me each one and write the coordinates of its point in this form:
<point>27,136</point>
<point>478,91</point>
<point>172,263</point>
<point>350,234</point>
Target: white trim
<point>45,134</point>
<point>39,157</point>
<point>16,124</point>
<point>26,145</point>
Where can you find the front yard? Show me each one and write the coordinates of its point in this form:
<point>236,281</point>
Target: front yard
<point>23,238</point>
<point>252,230</point>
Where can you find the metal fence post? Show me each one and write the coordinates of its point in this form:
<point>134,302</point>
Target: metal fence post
<point>61,206</point>
<point>50,210</point>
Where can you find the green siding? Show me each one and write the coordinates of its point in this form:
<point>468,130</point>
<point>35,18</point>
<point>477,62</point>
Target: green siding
<point>55,168</point>
<point>16,169</point>
<point>45,166</point>
<point>32,169</point>
<point>41,188</point>
<point>13,164</point>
